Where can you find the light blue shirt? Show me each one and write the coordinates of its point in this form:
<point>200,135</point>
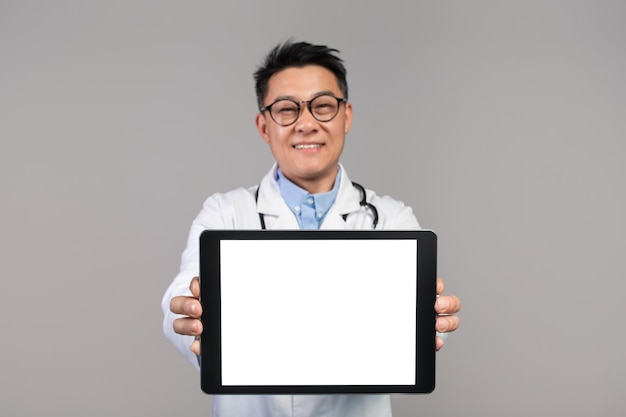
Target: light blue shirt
<point>309,209</point>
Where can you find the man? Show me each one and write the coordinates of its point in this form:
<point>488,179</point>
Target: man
<point>303,116</point>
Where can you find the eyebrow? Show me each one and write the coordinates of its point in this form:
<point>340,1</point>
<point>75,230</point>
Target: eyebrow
<point>293,98</point>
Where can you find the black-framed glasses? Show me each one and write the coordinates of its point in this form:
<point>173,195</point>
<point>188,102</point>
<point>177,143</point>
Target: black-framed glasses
<point>323,107</point>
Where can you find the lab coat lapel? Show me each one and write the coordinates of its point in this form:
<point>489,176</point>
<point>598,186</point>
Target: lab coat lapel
<point>347,202</point>
<point>276,213</point>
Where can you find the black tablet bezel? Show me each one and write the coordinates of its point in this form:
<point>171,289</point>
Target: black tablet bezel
<point>210,298</point>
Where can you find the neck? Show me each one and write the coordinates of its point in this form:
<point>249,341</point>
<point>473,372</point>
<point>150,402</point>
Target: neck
<point>316,185</point>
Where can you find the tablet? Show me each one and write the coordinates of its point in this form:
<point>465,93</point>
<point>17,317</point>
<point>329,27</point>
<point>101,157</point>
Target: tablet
<point>317,312</point>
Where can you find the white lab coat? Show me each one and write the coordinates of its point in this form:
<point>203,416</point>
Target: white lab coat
<point>238,209</point>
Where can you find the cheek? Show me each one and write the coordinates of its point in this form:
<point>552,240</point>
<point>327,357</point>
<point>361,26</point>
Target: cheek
<point>278,139</point>
<point>272,136</point>
<point>340,133</point>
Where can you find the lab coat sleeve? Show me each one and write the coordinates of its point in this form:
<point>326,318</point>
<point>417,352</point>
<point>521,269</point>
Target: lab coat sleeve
<point>210,217</point>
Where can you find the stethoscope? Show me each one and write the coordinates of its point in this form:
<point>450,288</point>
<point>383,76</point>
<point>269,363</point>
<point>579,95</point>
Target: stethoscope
<point>362,203</point>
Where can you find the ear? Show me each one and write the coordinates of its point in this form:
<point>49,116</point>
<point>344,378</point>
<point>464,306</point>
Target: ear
<point>261,125</point>
<point>348,118</point>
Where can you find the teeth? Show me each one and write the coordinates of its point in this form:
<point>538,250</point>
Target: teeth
<point>308,146</point>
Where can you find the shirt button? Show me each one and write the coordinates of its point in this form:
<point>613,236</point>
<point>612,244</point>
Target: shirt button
<point>309,200</point>
<point>319,215</point>
<point>297,208</point>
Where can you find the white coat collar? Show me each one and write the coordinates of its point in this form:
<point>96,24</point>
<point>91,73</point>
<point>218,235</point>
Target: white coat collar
<point>278,215</point>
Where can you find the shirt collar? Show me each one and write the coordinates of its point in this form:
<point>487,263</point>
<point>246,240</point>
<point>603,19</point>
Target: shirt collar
<point>295,196</point>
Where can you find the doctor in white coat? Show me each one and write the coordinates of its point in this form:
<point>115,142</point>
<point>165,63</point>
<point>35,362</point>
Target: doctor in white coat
<point>304,117</point>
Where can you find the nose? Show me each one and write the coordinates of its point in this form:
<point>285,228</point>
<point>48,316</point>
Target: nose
<point>306,122</point>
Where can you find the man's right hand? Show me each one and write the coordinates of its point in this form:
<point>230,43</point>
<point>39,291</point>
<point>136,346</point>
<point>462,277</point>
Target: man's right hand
<point>190,307</point>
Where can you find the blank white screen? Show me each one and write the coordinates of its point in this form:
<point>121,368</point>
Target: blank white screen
<point>318,312</point>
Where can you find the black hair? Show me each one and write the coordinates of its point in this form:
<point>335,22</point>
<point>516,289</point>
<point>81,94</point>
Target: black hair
<point>298,54</point>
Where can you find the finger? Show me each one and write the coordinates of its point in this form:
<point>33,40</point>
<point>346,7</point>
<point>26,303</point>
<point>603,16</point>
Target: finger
<point>187,306</point>
<point>448,304</point>
<point>446,324</point>
<point>188,326</point>
<point>195,347</point>
<point>438,343</point>
<point>440,286</point>
<point>194,287</point>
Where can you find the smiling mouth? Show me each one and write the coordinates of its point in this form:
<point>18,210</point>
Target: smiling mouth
<point>308,146</point>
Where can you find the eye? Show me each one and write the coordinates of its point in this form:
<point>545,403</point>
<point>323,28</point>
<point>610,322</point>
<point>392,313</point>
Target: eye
<point>284,107</point>
<point>286,110</point>
<point>324,107</point>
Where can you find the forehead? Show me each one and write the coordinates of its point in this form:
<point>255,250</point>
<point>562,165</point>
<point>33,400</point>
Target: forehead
<point>302,83</point>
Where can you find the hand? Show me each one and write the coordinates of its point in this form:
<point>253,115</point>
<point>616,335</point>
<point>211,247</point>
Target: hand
<point>190,307</point>
<point>446,307</point>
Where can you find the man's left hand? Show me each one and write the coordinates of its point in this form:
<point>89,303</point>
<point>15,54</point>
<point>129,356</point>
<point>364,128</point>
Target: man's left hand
<point>446,307</point>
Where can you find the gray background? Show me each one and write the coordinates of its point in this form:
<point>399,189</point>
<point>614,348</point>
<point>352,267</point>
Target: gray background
<point>501,123</point>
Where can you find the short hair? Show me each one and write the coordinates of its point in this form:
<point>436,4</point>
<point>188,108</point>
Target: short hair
<point>298,54</point>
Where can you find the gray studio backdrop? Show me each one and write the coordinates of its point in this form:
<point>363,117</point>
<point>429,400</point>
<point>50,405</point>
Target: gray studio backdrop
<point>503,125</point>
